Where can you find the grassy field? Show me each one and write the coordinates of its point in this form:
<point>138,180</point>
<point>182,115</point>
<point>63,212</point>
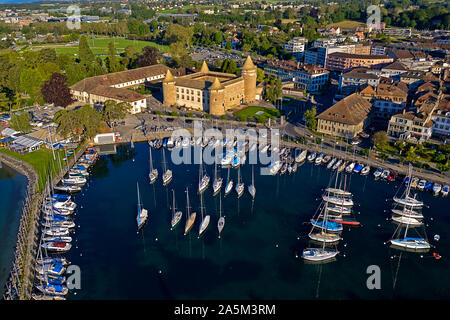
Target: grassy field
<point>262,116</point>
<point>346,24</point>
<point>99,46</point>
<point>42,161</point>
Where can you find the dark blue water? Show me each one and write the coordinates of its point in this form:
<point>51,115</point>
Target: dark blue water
<point>12,191</point>
<point>256,256</point>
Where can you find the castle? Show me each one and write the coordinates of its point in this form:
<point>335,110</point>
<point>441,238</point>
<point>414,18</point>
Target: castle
<point>209,91</point>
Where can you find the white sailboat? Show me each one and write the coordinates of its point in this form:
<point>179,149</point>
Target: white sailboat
<point>167,175</point>
<point>153,175</point>
<point>239,185</point>
<point>176,215</point>
<point>251,188</point>
<point>217,184</point>
<point>221,222</point>
<point>190,218</point>
<point>229,185</point>
<point>142,214</point>
<point>205,220</point>
<point>203,180</point>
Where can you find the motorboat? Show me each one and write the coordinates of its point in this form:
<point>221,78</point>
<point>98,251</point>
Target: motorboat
<point>337,165</point>
<point>350,167</point>
<point>274,167</point>
<point>378,172</point>
<point>421,184</point>
<point>411,243</point>
<point>79,181</point>
<point>385,174</point>
<point>53,289</point>
<point>444,190</point>
<point>365,171</point>
<point>319,159</point>
<point>311,157</point>
<point>358,168</point>
<point>437,188</point>
<point>331,163</point>
<point>57,246</point>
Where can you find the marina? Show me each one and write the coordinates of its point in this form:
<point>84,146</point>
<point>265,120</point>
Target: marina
<point>244,258</point>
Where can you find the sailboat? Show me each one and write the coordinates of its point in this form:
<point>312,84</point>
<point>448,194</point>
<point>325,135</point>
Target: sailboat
<point>190,218</point>
<point>142,214</point>
<point>229,185</point>
<point>167,176</point>
<point>203,180</point>
<point>153,175</point>
<point>176,215</point>
<point>217,184</point>
<point>323,235</point>
<point>239,185</point>
<point>221,222</point>
<point>251,188</point>
<point>205,220</point>
<point>405,242</point>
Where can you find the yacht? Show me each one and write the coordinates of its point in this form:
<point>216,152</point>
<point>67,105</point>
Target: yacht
<point>444,190</point>
<point>331,163</point>
<point>153,175</point>
<point>437,188</point>
<point>377,172</point>
<point>142,214</point>
<point>318,254</point>
<point>319,159</point>
<point>205,220</point>
<point>311,157</point>
<point>176,215</point>
<point>204,180</point>
<point>274,167</point>
<point>239,185</point>
<point>190,218</point>
<point>365,170</point>
<point>337,165</point>
<point>350,167</point>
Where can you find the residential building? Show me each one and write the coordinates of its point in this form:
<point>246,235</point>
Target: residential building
<point>387,99</point>
<point>441,118</point>
<point>350,81</point>
<point>347,118</point>
<point>397,32</point>
<point>213,92</point>
<point>311,56</point>
<point>303,75</point>
<point>340,61</point>
<point>296,46</point>
<point>378,50</point>
<point>117,86</point>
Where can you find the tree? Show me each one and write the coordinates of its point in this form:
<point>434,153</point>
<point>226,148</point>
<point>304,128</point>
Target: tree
<point>310,116</point>
<point>84,52</point>
<point>380,139</point>
<point>56,90</point>
<point>112,63</point>
<point>21,122</point>
<point>148,57</point>
<point>259,75</point>
<point>113,111</point>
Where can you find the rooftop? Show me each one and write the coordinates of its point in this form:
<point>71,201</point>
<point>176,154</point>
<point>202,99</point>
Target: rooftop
<point>351,110</point>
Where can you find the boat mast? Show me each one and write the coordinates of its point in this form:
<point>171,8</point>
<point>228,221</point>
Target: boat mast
<point>173,204</point>
<point>151,161</point>
<point>187,203</point>
<point>164,160</point>
<point>253,176</point>
<point>139,201</point>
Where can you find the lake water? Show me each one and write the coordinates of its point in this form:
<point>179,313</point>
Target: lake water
<point>12,191</point>
<point>256,255</point>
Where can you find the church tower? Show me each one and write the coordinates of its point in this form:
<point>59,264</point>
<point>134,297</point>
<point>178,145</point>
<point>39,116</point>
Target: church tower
<point>169,91</point>
<point>249,75</point>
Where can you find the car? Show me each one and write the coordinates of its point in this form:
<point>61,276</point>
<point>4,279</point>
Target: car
<point>355,142</point>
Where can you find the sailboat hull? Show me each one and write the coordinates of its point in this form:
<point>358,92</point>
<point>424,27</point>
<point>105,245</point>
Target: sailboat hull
<point>189,223</point>
<point>203,226</point>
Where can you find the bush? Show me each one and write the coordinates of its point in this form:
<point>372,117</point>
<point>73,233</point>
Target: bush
<point>207,115</point>
<point>224,117</point>
<point>190,115</point>
<point>242,117</point>
<point>260,119</point>
<point>174,114</point>
<point>159,113</point>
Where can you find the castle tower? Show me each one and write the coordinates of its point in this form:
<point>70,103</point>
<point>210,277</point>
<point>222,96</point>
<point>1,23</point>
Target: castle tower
<point>204,68</point>
<point>216,98</point>
<point>169,90</point>
<point>249,75</point>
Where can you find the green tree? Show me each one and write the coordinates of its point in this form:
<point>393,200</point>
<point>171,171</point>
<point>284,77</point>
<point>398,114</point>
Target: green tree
<point>380,139</point>
<point>310,117</point>
<point>84,51</point>
<point>21,122</point>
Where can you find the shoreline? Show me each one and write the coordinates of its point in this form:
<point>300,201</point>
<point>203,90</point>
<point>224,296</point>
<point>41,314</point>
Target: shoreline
<point>20,282</point>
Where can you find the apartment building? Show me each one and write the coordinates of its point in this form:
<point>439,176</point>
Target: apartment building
<point>340,61</point>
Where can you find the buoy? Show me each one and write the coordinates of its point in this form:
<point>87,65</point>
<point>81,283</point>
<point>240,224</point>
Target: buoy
<point>436,256</point>
<point>431,218</point>
<point>421,256</point>
<point>159,271</point>
<point>276,245</point>
<point>298,238</point>
<point>437,237</point>
<point>81,254</point>
<point>156,239</point>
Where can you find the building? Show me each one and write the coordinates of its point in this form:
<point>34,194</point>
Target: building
<point>397,32</point>
<point>296,46</point>
<point>311,56</point>
<point>324,50</point>
<point>350,81</point>
<point>387,99</point>
<point>416,124</point>
<point>303,75</point>
<point>441,119</point>
<point>378,50</point>
<point>393,69</point>
<point>340,61</point>
<point>117,86</point>
<point>345,119</point>
<point>209,91</point>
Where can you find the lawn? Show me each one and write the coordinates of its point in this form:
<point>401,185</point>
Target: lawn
<point>346,24</point>
<point>99,46</point>
<point>41,160</point>
<point>260,114</point>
